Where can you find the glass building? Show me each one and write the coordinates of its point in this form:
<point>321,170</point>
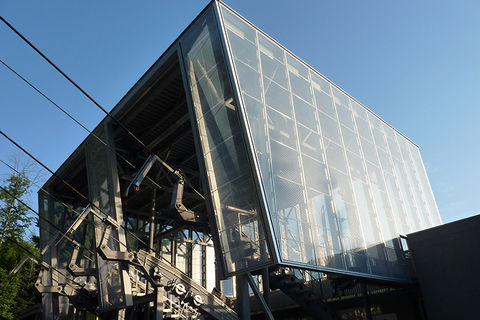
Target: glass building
<point>293,159</point>
<point>293,171</point>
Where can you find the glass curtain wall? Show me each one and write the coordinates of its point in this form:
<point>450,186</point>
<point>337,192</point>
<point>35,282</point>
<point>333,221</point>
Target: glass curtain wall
<point>232,190</point>
<point>340,183</point>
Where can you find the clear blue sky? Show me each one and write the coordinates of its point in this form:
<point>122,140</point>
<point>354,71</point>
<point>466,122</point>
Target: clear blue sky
<point>414,63</point>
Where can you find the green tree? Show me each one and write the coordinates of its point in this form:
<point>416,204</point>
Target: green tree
<point>14,216</point>
<point>17,291</point>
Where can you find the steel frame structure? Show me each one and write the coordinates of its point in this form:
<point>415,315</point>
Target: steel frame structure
<point>137,222</point>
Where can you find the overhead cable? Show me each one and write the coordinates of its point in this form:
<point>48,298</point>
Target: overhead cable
<point>121,125</point>
<point>73,189</point>
<point>46,220</point>
<point>39,261</point>
<point>75,120</point>
<point>63,204</point>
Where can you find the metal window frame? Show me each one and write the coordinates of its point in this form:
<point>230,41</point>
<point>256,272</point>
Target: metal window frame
<point>231,68</point>
<point>248,139</point>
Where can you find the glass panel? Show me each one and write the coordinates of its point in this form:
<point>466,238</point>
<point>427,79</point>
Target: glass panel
<point>251,80</point>
<point>281,128</point>
<point>233,192</point>
<point>220,124</point>
<point>166,249</point>
<point>369,151</point>
<point>197,261</point>
<point>419,202</point>
<point>277,97</point>
<point>338,186</point>
<point>359,112</point>
<point>336,157</point>
<point>274,70</point>
<point>345,116</point>
<point>269,48</point>
<point>341,187</point>
<point>357,169</point>
<point>319,83</point>
<point>305,113</point>
<point>286,164</point>
<point>228,162</point>
<point>426,190</point>
<point>364,129</point>
<point>350,140</point>
<point>300,87</point>
<point>310,143</point>
<point>330,128</point>
<point>237,26</point>
<point>296,67</point>
<point>339,97</point>
<point>245,50</point>
<point>210,261</point>
<point>325,103</point>
<point>181,250</point>
<point>315,175</point>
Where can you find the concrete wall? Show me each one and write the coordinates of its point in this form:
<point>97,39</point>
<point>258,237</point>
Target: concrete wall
<point>447,263</point>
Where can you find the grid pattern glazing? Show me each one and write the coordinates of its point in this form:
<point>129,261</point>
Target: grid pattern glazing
<point>340,184</point>
<point>230,178</point>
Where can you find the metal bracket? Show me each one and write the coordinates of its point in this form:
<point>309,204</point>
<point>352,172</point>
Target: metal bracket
<point>141,174</point>
<point>109,254</point>
<point>46,289</point>
<point>78,221</point>
<point>177,208</point>
<point>41,263</point>
<point>76,270</point>
<point>25,259</point>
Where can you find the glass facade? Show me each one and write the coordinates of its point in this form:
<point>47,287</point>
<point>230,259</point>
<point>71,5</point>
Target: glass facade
<point>296,172</point>
<point>340,184</point>
<point>233,193</point>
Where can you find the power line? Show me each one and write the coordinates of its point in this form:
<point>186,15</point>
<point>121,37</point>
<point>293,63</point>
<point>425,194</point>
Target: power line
<point>43,95</point>
<point>75,120</point>
<point>39,261</point>
<point>76,191</point>
<point>57,228</point>
<point>45,219</point>
<point>99,106</point>
<point>62,203</point>
<point>121,125</point>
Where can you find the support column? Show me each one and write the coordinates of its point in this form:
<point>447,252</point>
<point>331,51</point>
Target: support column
<point>242,305</point>
<point>266,286</point>
<point>152,221</point>
<point>104,193</point>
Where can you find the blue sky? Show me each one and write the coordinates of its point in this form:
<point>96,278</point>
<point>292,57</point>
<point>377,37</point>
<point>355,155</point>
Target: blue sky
<point>415,64</point>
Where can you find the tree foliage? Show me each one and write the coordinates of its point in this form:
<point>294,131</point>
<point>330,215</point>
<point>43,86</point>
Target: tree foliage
<point>14,216</point>
<point>17,291</point>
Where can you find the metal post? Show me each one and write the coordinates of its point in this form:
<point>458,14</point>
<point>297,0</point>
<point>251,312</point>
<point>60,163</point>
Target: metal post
<point>150,250</point>
<point>266,286</point>
<point>242,304</point>
<point>263,304</point>
<point>152,221</point>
